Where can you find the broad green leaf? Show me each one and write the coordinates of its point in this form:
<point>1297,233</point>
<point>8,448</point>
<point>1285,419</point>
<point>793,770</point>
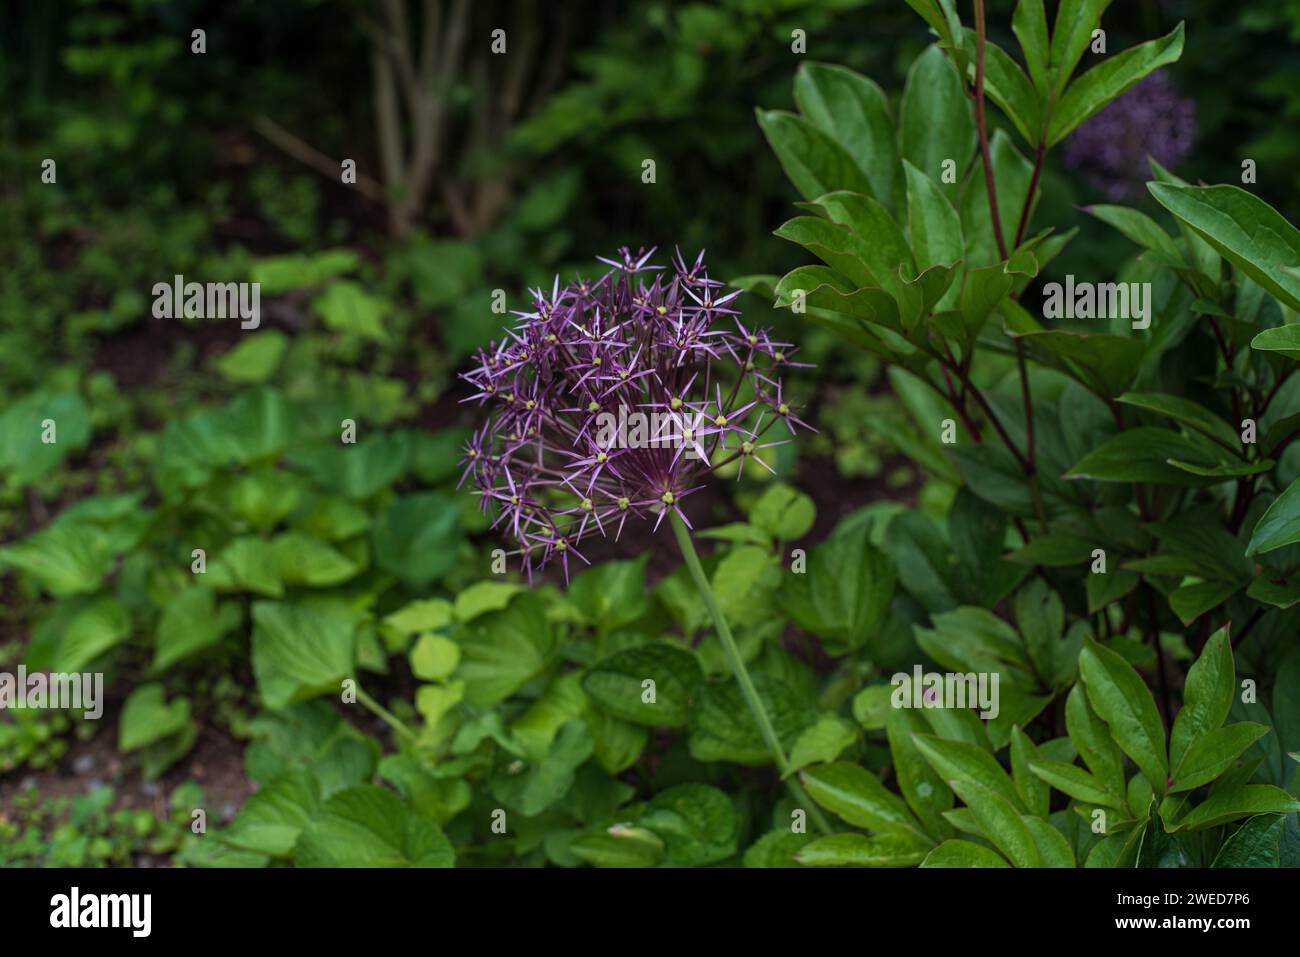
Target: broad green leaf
<point>304,560</point>
<point>822,742</point>
<point>28,423</point>
<point>1141,229</point>
<point>1075,782</point>
<point>885,248</point>
<point>1071,35</point>
<point>1029,24</point>
<point>959,761</point>
<point>1283,339</point>
<point>937,119</point>
<point>274,816</point>
<point>147,717</point>
<point>858,850</point>
<point>89,629</point>
<point>784,512</point>
<point>301,650</point>
<point>1143,454</point>
<point>1110,79</point>
<point>611,594</point>
<point>346,306</point>
<point>845,594</point>
<point>1246,801</point>
<point>255,359</point>
<point>1254,844</point>
<point>1033,792</point>
<point>856,795</point>
<point>1207,696</point>
<point>1053,849</point>
<point>1278,526</point>
<point>1092,739</point>
<point>1106,364</point>
<point>434,657</point>
<point>1122,700</point>
<point>1187,411</point>
<point>722,728</point>
<point>66,558</point>
<point>190,622</point>
<point>1209,756</point>
<point>815,163</point>
<point>921,785</point>
<point>1006,85</point>
<point>855,112</point>
<point>247,564</point>
<point>1244,229</point>
<point>417,538</point>
<point>619,845</point>
<point>957,853</point>
<point>369,826</point>
<point>1000,821</point>
<point>618,684</point>
<point>698,823</point>
<point>933,223</point>
<point>503,650</point>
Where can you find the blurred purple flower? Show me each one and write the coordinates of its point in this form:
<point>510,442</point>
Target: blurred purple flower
<point>1111,148</point>
<point>555,461</point>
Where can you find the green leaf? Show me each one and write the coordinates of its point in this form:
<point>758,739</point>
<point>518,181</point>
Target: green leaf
<point>1245,801</point>
<point>1006,85</point>
<point>24,454</point>
<point>274,816</point>
<point>933,223</point>
<point>147,718</point>
<point>347,307</point>
<point>844,595</point>
<point>1106,364</point>
<point>922,786</point>
<point>1093,741</point>
<point>698,823</point>
<point>956,853</point>
<point>434,657</point>
<point>1186,411</point>
<point>1033,792</point>
<point>856,795</point>
<point>305,560</point>
<point>1071,35</point>
<point>247,564</point>
<point>1283,339</point>
<point>369,826</point>
<point>957,760</point>
<point>66,558</point>
<point>1244,229</point>
<point>1141,229</point>
<point>1254,844</point>
<point>255,359</point>
<point>855,112</point>
<point>301,650</point>
<point>1075,782</point>
<point>1122,700</point>
<point>1000,821</point>
<point>501,651</point>
<point>1280,525</point>
<point>620,845</point>
<point>813,161</point>
<point>91,628</point>
<point>617,684</point>
<point>858,850</point>
<point>1209,756</point>
<point>937,119</point>
<point>1029,24</point>
<point>1142,454</point>
<point>190,622</point>
<point>722,728</point>
<point>611,594</point>
<point>1053,849</point>
<point>1207,696</point>
<point>416,538</point>
<point>822,742</point>
<point>784,512</point>
<point>1110,79</point>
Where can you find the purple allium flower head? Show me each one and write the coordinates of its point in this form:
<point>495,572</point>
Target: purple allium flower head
<point>1111,148</point>
<point>613,397</point>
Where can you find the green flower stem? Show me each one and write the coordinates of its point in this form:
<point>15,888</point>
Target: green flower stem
<point>390,719</point>
<point>743,679</point>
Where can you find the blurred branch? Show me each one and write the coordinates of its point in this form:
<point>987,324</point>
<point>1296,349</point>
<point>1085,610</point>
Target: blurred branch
<point>310,156</point>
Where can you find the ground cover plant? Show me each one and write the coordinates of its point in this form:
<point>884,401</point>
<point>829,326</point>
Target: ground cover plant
<point>926,494</point>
